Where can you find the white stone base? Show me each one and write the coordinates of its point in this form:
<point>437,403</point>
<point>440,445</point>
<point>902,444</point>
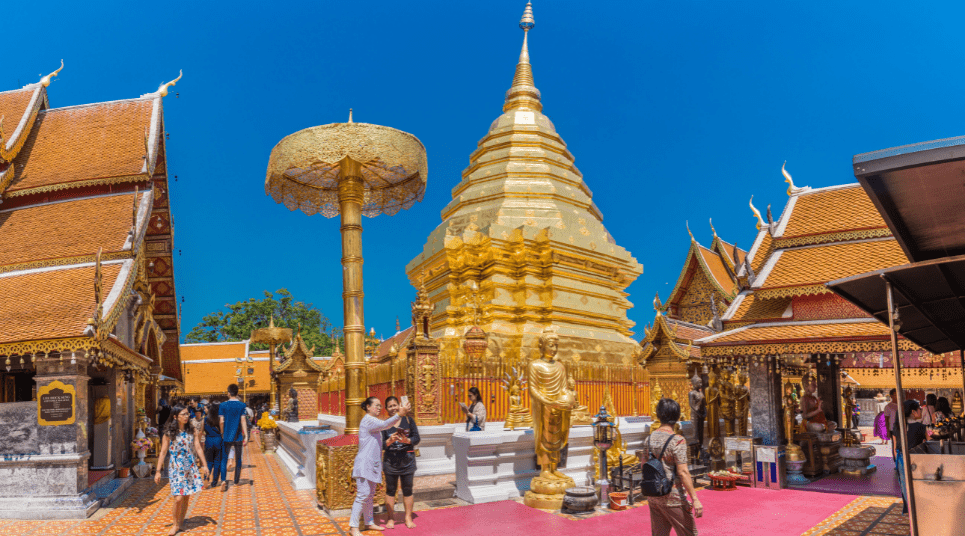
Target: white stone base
<point>497,465</point>
<point>296,450</point>
<point>67,507</point>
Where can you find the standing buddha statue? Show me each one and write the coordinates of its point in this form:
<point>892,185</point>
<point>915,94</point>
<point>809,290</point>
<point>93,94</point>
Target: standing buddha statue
<point>794,452</point>
<point>743,405</point>
<point>957,403</point>
<point>698,408</point>
<point>551,403</point>
<point>728,399</point>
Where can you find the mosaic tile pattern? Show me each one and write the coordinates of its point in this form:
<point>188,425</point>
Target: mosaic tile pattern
<point>865,516</point>
<point>264,504</point>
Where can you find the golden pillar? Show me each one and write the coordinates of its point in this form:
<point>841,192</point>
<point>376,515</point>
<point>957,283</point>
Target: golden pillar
<point>349,169</point>
<point>351,193</point>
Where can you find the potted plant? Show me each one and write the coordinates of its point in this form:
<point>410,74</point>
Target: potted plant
<point>268,428</point>
<point>141,445</point>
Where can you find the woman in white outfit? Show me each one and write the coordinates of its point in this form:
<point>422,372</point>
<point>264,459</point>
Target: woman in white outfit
<point>367,471</point>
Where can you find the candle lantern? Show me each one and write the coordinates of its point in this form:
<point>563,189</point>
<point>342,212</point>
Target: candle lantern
<point>603,432</point>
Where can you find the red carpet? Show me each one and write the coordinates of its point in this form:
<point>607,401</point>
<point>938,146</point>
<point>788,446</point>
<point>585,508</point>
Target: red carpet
<point>745,512</point>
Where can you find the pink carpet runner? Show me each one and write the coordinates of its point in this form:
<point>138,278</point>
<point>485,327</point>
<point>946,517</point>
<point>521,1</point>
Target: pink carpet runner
<point>745,512</point>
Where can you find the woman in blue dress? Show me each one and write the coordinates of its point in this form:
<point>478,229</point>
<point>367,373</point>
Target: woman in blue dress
<point>213,445</point>
<point>181,443</point>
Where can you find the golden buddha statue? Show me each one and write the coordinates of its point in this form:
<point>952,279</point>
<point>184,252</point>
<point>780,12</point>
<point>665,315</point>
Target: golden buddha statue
<point>847,397</point>
<point>957,403</point>
<point>655,395</point>
<point>713,406</point>
<point>794,452</point>
<point>580,416</point>
<point>551,403</point>
<point>728,401</point>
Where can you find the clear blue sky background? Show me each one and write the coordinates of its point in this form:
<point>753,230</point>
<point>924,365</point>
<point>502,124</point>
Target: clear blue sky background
<point>674,110</point>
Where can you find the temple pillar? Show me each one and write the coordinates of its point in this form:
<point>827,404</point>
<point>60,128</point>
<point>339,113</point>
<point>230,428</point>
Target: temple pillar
<point>43,474</point>
<point>426,389</point>
<point>829,387</point>
<point>766,401</point>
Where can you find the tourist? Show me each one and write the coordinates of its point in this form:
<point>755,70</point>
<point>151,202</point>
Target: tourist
<point>367,471</point>
<point>163,412</point>
<point>917,434</point>
<point>234,432</point>
<point>179,441</point>
<point>197,422</point>
<point>928,412</point>
<point>399,462</point>
<point>213,446</point>
<point>475,412</point>
<point>942,410</point>
<point>891,416</point>
<point>672,510</point>
<point>194,406</point>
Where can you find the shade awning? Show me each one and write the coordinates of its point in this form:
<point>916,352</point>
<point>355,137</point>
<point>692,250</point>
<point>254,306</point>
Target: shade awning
<point>918,189</point>
<point>929,295</point>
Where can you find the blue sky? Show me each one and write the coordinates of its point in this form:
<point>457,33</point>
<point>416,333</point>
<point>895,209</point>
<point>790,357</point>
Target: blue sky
<point>675,111</point>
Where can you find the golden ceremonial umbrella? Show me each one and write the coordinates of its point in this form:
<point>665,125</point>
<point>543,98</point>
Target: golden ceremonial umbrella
<point>349,169</point>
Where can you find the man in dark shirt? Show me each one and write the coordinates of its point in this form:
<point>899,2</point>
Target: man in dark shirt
<point>163,412</point>
<point>234,431</point>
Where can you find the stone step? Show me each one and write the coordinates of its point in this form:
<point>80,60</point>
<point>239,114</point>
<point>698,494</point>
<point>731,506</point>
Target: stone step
<point>447,491</point>
<point>108,491</point>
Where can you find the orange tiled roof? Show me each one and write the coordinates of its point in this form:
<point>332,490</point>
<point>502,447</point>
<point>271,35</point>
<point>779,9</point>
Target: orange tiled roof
<point>752,309</point>
<point>793,332</point>
<point>832,211</point>
<point>817,265</point>
<point>687,331</point>
<point>763,252</point>
<point>398,338</point>
<point>194,352</point>
<point>52,304</point>
<point>717,270</point>
<point>65,229</point>
<point>13,105</point>
<point>76,144</point>
<point>728,251</point>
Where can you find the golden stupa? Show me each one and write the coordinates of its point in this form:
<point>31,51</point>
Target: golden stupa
<point>523,239</point>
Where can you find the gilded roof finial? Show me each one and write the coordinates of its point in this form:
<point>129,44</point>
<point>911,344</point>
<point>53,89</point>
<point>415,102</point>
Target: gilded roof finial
<point>712,227</point>
<point>692,239</point>
<point>45,81</point>
<point>523,91</point>
<point>787,178</point>
<point>162,90</point>
<point>760,220</point>
<point>350,116</point>
<point>657,306</point>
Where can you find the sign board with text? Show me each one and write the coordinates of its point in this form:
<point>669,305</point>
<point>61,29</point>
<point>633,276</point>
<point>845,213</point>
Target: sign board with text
<point>56,404</point>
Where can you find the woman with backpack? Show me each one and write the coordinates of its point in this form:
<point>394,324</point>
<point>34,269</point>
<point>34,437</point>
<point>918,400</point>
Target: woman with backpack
<point>671,510</point>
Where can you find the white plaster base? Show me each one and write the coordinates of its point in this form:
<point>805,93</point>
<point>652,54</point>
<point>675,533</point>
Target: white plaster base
<point>496,465</point>
<point>296,451</point>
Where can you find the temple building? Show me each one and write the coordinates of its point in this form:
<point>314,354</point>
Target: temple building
<point>706,287</point>
<point>90,325</point>
<point>784,319</point>
<point>210,367</point>
<point>522,246</point>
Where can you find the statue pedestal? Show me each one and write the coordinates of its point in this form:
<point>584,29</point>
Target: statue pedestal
<point>857,460</point>
<point>547,493</point>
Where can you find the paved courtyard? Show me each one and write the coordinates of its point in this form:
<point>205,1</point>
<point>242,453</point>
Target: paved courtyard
<point>265,504</point>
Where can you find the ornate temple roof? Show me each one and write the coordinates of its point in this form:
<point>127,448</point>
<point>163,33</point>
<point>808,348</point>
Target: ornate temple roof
<point>808,337</point>
<point>68,178</point>
<point>51,233</point>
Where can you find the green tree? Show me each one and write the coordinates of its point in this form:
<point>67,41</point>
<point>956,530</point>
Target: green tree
<point>238,321</point>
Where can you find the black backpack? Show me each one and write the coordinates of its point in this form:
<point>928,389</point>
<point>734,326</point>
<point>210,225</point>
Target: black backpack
<point>655,482</point>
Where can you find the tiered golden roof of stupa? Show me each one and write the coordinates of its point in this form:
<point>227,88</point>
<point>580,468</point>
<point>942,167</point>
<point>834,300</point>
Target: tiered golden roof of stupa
<point>523,237</point>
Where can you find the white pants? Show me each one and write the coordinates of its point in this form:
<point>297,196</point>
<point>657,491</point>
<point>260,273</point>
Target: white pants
<point>363,502</point>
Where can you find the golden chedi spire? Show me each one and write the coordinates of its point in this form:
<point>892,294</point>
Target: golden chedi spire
<point>523,93</point>
<point>521,203</point>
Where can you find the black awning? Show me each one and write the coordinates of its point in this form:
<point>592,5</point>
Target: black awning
<point>930,297</point>
<point>918,189</point>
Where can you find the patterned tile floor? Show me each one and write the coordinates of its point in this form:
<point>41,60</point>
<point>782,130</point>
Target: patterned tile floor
<point>265,504</point>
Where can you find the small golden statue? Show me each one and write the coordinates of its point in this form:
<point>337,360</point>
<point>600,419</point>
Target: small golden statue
<point>713,406</point>
<point>794,452</point>
<point>580,416</point>
<point>742,403</point>
<point>518,416</point>
<point>957,403</point>
<point>619,449</point>
<point>655,396</point>
<point>551,403</point>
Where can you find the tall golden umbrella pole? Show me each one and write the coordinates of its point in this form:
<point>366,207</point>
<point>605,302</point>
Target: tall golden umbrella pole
<point>272,336</point>
<point>349,169</point>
